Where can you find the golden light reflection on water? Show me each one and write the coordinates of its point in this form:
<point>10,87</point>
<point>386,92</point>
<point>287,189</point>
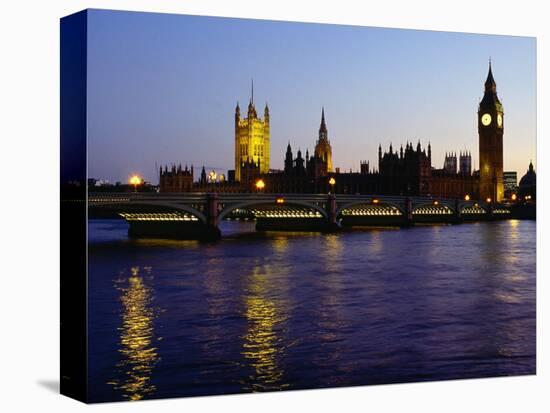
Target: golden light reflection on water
<point>513,229</point>
<point>137,338</point>
<point>262,344</point>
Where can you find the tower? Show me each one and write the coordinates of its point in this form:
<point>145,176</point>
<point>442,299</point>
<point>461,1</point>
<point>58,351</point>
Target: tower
<point>465,163</point>
<point>490,116</point>
<point>251,138</point>
<point>289,161</point>
<point>450,164</point>
<point>323,150</point>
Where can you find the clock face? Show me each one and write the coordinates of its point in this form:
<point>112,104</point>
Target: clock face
<point>499,120</point>
<point>486,119</point>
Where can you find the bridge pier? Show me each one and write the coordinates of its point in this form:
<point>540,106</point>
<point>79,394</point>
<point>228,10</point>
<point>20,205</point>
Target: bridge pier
<point>408,218</point>
<point>457,216</point>
<point>212,230</point>
<point>169,230</point>
<point>332,209</point>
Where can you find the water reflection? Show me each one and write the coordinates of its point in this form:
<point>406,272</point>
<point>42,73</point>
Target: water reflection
<point>263,344</point>
<point>137,338</point>
<point>275,311</point>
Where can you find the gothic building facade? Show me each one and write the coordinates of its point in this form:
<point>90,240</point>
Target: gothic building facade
<point>406,171</point>
<point>251,138</point>
<point>176,179</point>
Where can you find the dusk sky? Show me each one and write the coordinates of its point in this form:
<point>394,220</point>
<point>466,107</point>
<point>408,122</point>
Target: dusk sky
<point>163,88</point>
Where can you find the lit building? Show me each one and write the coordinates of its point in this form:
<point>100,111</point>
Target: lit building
<point>323,150</point>
<point>510,183</point>
<point>251,138</point>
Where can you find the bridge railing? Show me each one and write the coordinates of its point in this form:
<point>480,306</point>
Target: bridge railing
<point>193,197</point>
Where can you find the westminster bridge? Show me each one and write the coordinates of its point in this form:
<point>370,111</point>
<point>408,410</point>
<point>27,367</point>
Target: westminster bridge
<point>197,215</point>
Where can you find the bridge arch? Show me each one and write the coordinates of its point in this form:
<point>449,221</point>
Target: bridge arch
<point>380,204</point>
<point>144,207</point>
<point>435,207</point>
<point>471,209</point>
<point>263,202</point>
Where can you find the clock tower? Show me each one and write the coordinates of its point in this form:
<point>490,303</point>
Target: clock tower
<point>490,116</point>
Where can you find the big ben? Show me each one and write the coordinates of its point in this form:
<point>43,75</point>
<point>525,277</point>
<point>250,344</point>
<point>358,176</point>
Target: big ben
<point>491,131</point>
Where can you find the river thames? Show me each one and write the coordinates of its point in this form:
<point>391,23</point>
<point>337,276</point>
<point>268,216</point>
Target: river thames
<point>273,311</point>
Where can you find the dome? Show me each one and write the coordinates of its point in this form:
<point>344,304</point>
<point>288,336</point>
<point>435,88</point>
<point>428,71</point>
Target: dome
<point>529,179</point>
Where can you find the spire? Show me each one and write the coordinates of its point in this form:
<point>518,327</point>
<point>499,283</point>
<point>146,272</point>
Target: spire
<point>490,84</point>
<point>323,128</point>
<point>251,108</point>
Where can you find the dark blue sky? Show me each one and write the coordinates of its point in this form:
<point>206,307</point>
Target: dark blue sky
<point>163,88</point>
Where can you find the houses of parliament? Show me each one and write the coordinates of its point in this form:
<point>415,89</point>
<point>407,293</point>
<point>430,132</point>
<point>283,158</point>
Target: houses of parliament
<point>406,170</point>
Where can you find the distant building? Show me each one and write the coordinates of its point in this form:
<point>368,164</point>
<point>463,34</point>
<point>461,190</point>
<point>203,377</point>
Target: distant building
<point>465,162</point>
<point>251,138</point>
<point>450,165</point>
<point>528,184</point>
<point>176,179</point>
<point>510,183</point>
<point>406,172</point>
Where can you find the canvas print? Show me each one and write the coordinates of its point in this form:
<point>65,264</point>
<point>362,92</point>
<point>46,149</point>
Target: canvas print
<point>253,206</point>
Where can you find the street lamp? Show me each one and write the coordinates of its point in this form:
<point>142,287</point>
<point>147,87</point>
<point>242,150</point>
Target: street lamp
<point>467,197</point>
<point>135,180</point>
<point>514,197</point>
<point>488,200</point>
<point>332,182</point>
<point>260,184</point>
